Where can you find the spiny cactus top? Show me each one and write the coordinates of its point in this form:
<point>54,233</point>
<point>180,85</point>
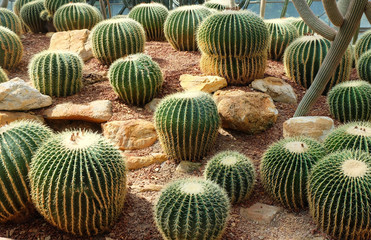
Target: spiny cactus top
<point>364,66</point>
<point>78,182</point>
<point>10,20</point>
<point>3,76</point>
<point>30,15</point>
<point>53,5</point>
<point>363,45</point>
<point>18,4</point>
<point>11,50</point>
<point>215,5</point>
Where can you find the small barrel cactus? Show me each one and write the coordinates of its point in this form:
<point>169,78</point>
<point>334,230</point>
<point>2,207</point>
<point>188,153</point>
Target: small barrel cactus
<point>10,20</point>
<point>137,79</point>
<point>45,16</point>
<point>285,168</point>
<point>11,50</point>
<point>18,4</point>
<point>76,16</point>
<point>181,25</point>
<point>192,209</point>
<point>116,38</point>
<point>187,124</point>
<point>234,172</point>
<point>18,143</point>
<point>350,101</point>
<point>56,73</point>
<point>152,16</point>
<point>3,76</point>
<point>53,5</point>
<point>78,182</point>
<point>300,25</point>
<point>363,45</point>
<point>30,15</point>
<point>364,66</point>
<point>215,5</point>
<point>339,194</point>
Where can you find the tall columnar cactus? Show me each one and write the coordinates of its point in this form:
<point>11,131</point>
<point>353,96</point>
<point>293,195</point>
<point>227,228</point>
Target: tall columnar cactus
<point>339,196</point>
<point>350,101</point>
<point>234,172</point>
<point>137,79</point>
<point>116,38</point>
<point>18,143</point>
<point>192,209</point>
<point>187,124</point>
<point>215,5</point>
<point>30,15</point>
<point>3,76</point>
<point>11,49</point>
<point>363,45</point>
<point>285,168</point>
<point>181,25</point>
<point>56,73</point>
<point>364,66</point>
<point>10,20</point>
<point>53,5</point>
<point>76,16</point>
<point>152,16</point>
<point>78,182</point>
<point>304,57</point>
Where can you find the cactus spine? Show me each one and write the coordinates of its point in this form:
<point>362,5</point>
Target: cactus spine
<point>30,14</point>
<point>215,5</point>
<point>18,4</point>
<point>53,5</point>
<point>10,20</point>
<point>364,66</point>
<point>300,26</point>
<point>3,76</point>
<point>11,50</point>
<point>363,45</point>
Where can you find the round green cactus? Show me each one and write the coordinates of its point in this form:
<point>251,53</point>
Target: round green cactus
<point>30,15</point>
<point>352,136</point>
<point>285,168</point>
<point>137,79</point>
<point>350,101</point>
<point>299,24</point>
<point>363,45</point>
<point>18,143</point>
<point>152,16</point>
<point>56,73</point>
<point>76,16</point>
<point>192,209</point>
<point>304,56</point>
<point>364,66</point>
<point>234,172</point>
<point>78,182</point>
<point>116,38</point>
<point>215,5</point>
<point>181,25</point>
<point>53,5</point>
<point>11,50</point>
<point>3,76</point>
<point>119,16</point>
<point>339,194</point>
<point>187,124</point>
<point>18,4</point>
<point>45,16</point>
<point>10,20</point>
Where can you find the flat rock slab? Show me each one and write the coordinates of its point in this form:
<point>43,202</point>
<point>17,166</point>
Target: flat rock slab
<point>135,162</point>
<point>188,167</point>
<point>148,188</point>
<point>152,105</point>
<point>260,212</point>
<point>207,84</point>
<point>278,89</point>
<point>8,117</point>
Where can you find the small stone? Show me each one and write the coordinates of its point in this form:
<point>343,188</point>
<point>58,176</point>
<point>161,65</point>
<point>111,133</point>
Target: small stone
<point>151,106</point>
<point>133,162</point>
<point>188,167</point>
<point>49,34</point>
<point>8,117</point>
<point>260,212</point>
<point>148,188</point>
<point>279,90</point>
<point>207,84</point>
<point>47,238</point>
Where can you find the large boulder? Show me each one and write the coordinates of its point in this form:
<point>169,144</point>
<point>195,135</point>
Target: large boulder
<point>279,90</point>
<point>207,84</point>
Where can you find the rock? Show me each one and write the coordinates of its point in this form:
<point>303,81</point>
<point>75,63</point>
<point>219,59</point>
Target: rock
<point>188,167</point>
<point>260,212</point>
<point>279,90</point>
<point>207,84</point>
<point>133,162</point>
<point>8,117</point>
<point>77,41</point>
<point>314,127</point>
<point>17,95</point>
<point>249,112</point>
<point>49,34</point>
<point>130,134</point>
<point>97,111</point>
<point>148,188</point>
<point>151,106</point>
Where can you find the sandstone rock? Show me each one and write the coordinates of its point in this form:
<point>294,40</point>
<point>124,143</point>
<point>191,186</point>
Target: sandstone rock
<point>148,188</point>
<point>133,162</point>
<point>8,117</point>
<point>17,95</point>
<point>314,127</point>
<point>151,106</point>
<point>248,112</point>
<point>278,89</point>
<point>207,84</point>
<point>97,111</point>
<point>188,167</point>
<point>260,212</point>
<point>49,34</point>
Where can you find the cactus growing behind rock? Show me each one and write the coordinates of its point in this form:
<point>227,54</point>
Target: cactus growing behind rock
<point>364,66</point>
<point>192,209</point>
<point>10,20</point>
<point>215,5</point>
<point>30,15</point>
<point>11,50</point>
<point>363,45</point>
<point>78,182</point>
<point>53,5</point>
<point>3,76</point>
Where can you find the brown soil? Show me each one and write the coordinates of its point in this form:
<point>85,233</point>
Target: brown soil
<point>136,221</point>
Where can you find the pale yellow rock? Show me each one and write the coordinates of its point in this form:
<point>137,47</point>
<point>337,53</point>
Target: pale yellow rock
<point>49,34</point>
<point>134,162</point>
<point>278,89</point>
<point>8,117</point>
<point>207,84</point>
<point>152,105</point>
<point>148,188</point>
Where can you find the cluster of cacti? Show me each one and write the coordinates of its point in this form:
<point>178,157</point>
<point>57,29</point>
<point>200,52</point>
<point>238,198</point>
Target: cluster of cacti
<point>187,124</point>
<point>116,38</point>
<point>56,73</point>
<point>10,20</point>
<point>304,57</point>
<point>11,50</point>
<point>18,143</point>
<point>152,16</point>
<point>78,182</point>
<point>215,5</point>
<point>364,66</point>
<point>234,172</point>
<point>300,26</point>
<point>233,45</point>
<point>192,209</point>
<point>350,101</point>
<point>53,5</point>
<point>363,45</point>
<point>75,16</point>
<point>285,168</point>
<point>339,194</point>
<point>3,76</point>
<point>181,25</point>
<point>30,15</point>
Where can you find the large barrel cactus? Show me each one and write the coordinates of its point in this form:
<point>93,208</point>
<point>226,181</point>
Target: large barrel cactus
<point>10,20</point>
<point>363,45</point>
<point>30,15</point>
<point>192,209</point>
<point>18,4</point>
<point>215,5</point>
<point>53,5</point>
<point>300,25</point>
<point>11,49</point>
<point>18,143</point>
<point>187,124</point>
<point>364,66</point>
<point>3,76</point>
<point>56,73</point>
<point>339,195</point>
<point>78,182</point>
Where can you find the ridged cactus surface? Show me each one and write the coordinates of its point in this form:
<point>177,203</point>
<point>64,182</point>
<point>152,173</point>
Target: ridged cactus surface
<point>78,182</point>
<point>363,45</point>
<point>10,20</point>
<point>11,50</point>
<point>300,25</point>
<point>187,124</point>
<point>215,5</point>
<point>18,4</point>
<point>30,15</point>
<point>3,76</point>
<point>364,66</point>
<point>192,209</point>
<point>53,5</point>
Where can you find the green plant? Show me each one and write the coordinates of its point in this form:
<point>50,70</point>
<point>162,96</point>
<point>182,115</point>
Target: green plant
<point>187,124</point>
<point>350,101</point>
<point>300,25</point>
<point>152,16</point>
<point>53,5</point>
<point>364,66</point>
<point>285,168</point>
<point>45,16</point>
<point>192,209</point>
<point>18,143</point>
<point>30,15</point>
<point>10,20</point>
<point>78,182</point>
<point>56,73</point>
<point>339,196</point>
<point>363,45</point>
<point>234,172</point>
<point>18,4</point>
<point>215,5</point>
<point>116,38</point>
<point>3,76</point>
<point>11,49</point>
